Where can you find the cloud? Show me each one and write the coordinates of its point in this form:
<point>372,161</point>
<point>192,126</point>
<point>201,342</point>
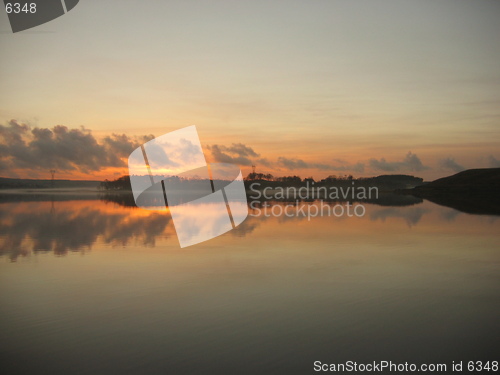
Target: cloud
<point>411,162</point>
<point>23,147</point>
<point>237,153</point>
<point>241,154</point>
<point>450,163</point>
<point>293,163</point>
<point>493,162</point>
<point>358,167</point>
<point>123,145</point>
<point>412,215</point>
<point>240,149</point>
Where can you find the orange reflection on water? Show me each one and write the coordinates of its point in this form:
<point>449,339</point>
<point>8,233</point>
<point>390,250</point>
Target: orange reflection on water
<point>81,225</point>
<point>63,226</point>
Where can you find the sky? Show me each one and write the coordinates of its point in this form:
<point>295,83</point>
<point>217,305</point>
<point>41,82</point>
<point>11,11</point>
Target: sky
<point>309,88</point>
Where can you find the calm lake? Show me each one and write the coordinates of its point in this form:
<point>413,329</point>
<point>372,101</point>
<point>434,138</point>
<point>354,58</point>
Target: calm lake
<point>93,287</point>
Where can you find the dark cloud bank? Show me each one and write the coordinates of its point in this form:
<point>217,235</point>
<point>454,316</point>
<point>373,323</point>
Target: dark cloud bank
<point>63,149</point>
<point>23,147</point>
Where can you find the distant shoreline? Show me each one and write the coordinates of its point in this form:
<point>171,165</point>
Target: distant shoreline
<point>50,191</point>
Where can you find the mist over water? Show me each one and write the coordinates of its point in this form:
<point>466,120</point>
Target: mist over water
<point>91,286</point>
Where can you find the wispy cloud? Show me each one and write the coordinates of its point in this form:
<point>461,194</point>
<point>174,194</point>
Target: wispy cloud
<point>293,163</point>
<point>411,162</point>
<point>451,164</point>
<point>237,153</point>
<point>265,162</point>
<point>493,162</point>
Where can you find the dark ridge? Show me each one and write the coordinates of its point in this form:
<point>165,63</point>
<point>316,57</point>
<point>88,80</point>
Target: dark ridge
<point>474,191</point>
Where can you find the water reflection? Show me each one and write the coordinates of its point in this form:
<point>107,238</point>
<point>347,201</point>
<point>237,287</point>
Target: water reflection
<point>76,225</point>
<point>416,283</point>
<point>384,199</point>
<point>411,215</point>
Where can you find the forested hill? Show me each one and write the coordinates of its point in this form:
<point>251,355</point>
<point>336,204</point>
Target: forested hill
<point>473,191</point>
<point>487,179</point>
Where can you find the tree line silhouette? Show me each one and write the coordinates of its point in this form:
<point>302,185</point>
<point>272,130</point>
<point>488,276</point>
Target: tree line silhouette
<point>387,181</point>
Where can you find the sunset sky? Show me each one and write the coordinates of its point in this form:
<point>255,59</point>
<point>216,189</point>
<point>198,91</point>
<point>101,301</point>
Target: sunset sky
<point>295,87</point>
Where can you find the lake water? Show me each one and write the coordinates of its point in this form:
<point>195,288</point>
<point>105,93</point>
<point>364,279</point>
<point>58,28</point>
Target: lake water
<point>93,287</point>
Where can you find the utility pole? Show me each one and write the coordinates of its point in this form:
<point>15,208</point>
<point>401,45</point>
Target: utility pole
<point>53,173</point>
